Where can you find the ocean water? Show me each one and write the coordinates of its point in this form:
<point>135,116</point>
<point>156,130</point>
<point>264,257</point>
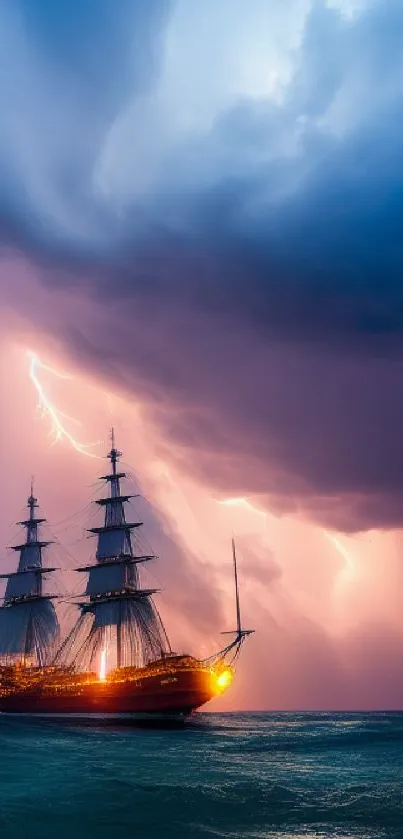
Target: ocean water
<point>258,776</point>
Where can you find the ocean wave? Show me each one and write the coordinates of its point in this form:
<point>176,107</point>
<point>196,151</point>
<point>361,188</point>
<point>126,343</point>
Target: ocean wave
<point>253,776</point>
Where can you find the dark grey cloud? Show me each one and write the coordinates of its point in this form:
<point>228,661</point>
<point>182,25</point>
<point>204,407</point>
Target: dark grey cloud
<point>253,290</point>
<point>272,233</point>
<point>306,244</point>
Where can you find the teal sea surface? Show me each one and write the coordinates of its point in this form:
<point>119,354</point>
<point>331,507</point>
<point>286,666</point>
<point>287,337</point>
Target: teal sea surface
<point>249,775</point>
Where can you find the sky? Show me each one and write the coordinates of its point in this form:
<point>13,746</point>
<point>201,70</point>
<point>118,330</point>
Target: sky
<point>200,225</point>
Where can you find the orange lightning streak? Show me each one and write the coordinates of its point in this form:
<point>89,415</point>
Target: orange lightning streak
<point>58,429</point>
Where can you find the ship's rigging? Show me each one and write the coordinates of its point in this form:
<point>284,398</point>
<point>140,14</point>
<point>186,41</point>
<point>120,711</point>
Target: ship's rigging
<point>231,651</point>
<point>29,628</point>
<point>119,619</point>
<point>119,628</point>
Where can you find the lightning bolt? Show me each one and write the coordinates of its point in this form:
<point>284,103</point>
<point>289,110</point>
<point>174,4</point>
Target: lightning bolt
<point>348,572</point>
<point>340,549</point>
<point>58,430</point>
<point>242,502</point>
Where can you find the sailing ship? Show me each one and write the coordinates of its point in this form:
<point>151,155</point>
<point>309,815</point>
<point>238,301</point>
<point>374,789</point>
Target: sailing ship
<point>117,658</point>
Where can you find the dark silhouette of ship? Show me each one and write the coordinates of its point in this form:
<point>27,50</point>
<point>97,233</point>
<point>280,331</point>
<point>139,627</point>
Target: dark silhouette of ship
<point>117,658</point>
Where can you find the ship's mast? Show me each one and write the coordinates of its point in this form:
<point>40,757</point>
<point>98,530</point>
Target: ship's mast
<point>124,622</point>
<point>28,624</point>
<point>239,633</point>
<point>238,608</point>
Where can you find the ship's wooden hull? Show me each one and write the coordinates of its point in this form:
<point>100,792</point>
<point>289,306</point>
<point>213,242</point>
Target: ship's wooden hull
<point>175,693</point>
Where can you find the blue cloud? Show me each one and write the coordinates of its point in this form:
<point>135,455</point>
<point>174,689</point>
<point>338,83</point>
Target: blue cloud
<point>66,71</point>
<point>299,198</point>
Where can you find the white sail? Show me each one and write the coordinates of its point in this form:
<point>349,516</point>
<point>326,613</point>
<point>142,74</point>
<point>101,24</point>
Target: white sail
<point>113,543</point>
<point>29,626</point>
<point>30,557</point>
<point>110,577</point>
<point>28,630</point>
<point>25,584</point>
<point>117,612</point>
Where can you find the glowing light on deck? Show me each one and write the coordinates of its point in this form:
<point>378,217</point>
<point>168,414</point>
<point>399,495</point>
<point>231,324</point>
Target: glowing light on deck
<point>224,679</point>
<point>102,667</point>
<point>58,430</point>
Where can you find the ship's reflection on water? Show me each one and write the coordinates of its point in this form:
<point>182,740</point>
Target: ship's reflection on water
<point>194,722</point>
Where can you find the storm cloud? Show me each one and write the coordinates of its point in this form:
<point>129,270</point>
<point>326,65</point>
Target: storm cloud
<point>224,193</point>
